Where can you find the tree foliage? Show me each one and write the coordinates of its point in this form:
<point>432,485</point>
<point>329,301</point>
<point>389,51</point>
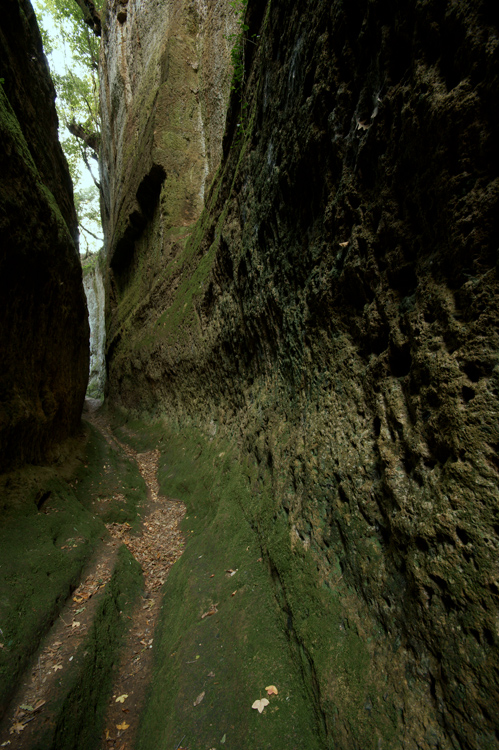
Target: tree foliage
<point>73,52</point>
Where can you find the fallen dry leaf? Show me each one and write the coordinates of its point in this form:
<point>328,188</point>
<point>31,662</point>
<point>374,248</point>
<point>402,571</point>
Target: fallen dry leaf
<point>212,611</point>
<point>123,726</point>
<point>271,690</point>
<point>343,244</point>
<point>199,699</point>
<point>121,698</point>
<point>56,667</point>
<point>16,727</point>
<point>260,704</point>
<point>75,624</point>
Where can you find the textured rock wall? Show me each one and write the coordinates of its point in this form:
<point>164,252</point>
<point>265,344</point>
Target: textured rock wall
<point>335,310</point>
<point>93,284</point>
<point>43,316</point>
<point>164,91</point>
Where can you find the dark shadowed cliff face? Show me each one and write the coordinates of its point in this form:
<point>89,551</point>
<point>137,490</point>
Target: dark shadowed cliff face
<point>43,317</point>
<point>335,310</point>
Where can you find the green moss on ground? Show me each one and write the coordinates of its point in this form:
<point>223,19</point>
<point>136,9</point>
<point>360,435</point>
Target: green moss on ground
<point>42,554</point>
<point>47,536</point>
<point>252,640</point>
<point>82,699</point>
<point>109,484</point>
<point>283,626</point>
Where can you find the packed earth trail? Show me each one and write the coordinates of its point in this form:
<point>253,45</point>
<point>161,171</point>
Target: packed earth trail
<point>156,545</point>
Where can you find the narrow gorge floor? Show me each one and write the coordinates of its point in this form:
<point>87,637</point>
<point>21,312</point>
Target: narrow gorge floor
<point>156,545</point>
<point>145,653</point>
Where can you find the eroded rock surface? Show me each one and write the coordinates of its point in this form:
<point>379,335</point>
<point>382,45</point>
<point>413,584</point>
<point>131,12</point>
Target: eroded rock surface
<point>335,310</point>
<point>164,92</point>
<point>43,316</point>
<point>93,284</point>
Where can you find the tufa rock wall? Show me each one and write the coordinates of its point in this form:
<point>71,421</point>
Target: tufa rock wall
<point>334,310</point>
<point>164,91</point>
<point>93,284</point>
<point>43,316</point>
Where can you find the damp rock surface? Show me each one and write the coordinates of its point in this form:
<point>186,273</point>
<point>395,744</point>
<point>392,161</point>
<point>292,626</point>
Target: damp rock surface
<point>43,316</point>
<point>333,314</point>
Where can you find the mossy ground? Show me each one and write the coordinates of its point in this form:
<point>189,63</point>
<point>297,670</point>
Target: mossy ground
<point>282,626</point>
<point>110,484</point>
<point>50,526</point>
<point>250,642</point>
<point>81,701</point>
<point>41,559</point>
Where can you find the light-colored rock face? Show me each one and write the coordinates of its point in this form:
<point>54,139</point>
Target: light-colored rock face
<point>93,284</point>
<point>164,92</point>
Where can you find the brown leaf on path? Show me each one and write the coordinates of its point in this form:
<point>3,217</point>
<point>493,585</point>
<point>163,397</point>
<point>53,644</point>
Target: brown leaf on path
<point>16,727</point>
<point>271,690</point>
<point>212,611</point>
<point>199,699</point>
<point>122,727</point>
<point>260,704</point>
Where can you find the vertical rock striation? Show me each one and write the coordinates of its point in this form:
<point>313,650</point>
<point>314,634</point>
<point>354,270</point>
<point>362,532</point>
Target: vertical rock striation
<point>164,92</point>
<point>93,284</point>
<point>43,316</point>
<point>335,309</point>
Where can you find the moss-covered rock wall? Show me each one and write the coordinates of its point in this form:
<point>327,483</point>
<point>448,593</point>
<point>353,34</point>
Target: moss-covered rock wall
<point>43,315</point>
<point>333,312</point>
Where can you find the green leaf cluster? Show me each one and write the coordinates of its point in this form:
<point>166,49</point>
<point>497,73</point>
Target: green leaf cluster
<point>73,52</point>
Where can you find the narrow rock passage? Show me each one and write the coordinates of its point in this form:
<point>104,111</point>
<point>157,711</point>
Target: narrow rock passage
<point>156,547</point>
<point>34,712</point>
<point>28,716</point>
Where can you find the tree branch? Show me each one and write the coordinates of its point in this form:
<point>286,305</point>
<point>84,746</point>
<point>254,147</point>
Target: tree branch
<point>91,15</point>
<point>99,239</point>
<point>92,140</point>
<point>87,164</point>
